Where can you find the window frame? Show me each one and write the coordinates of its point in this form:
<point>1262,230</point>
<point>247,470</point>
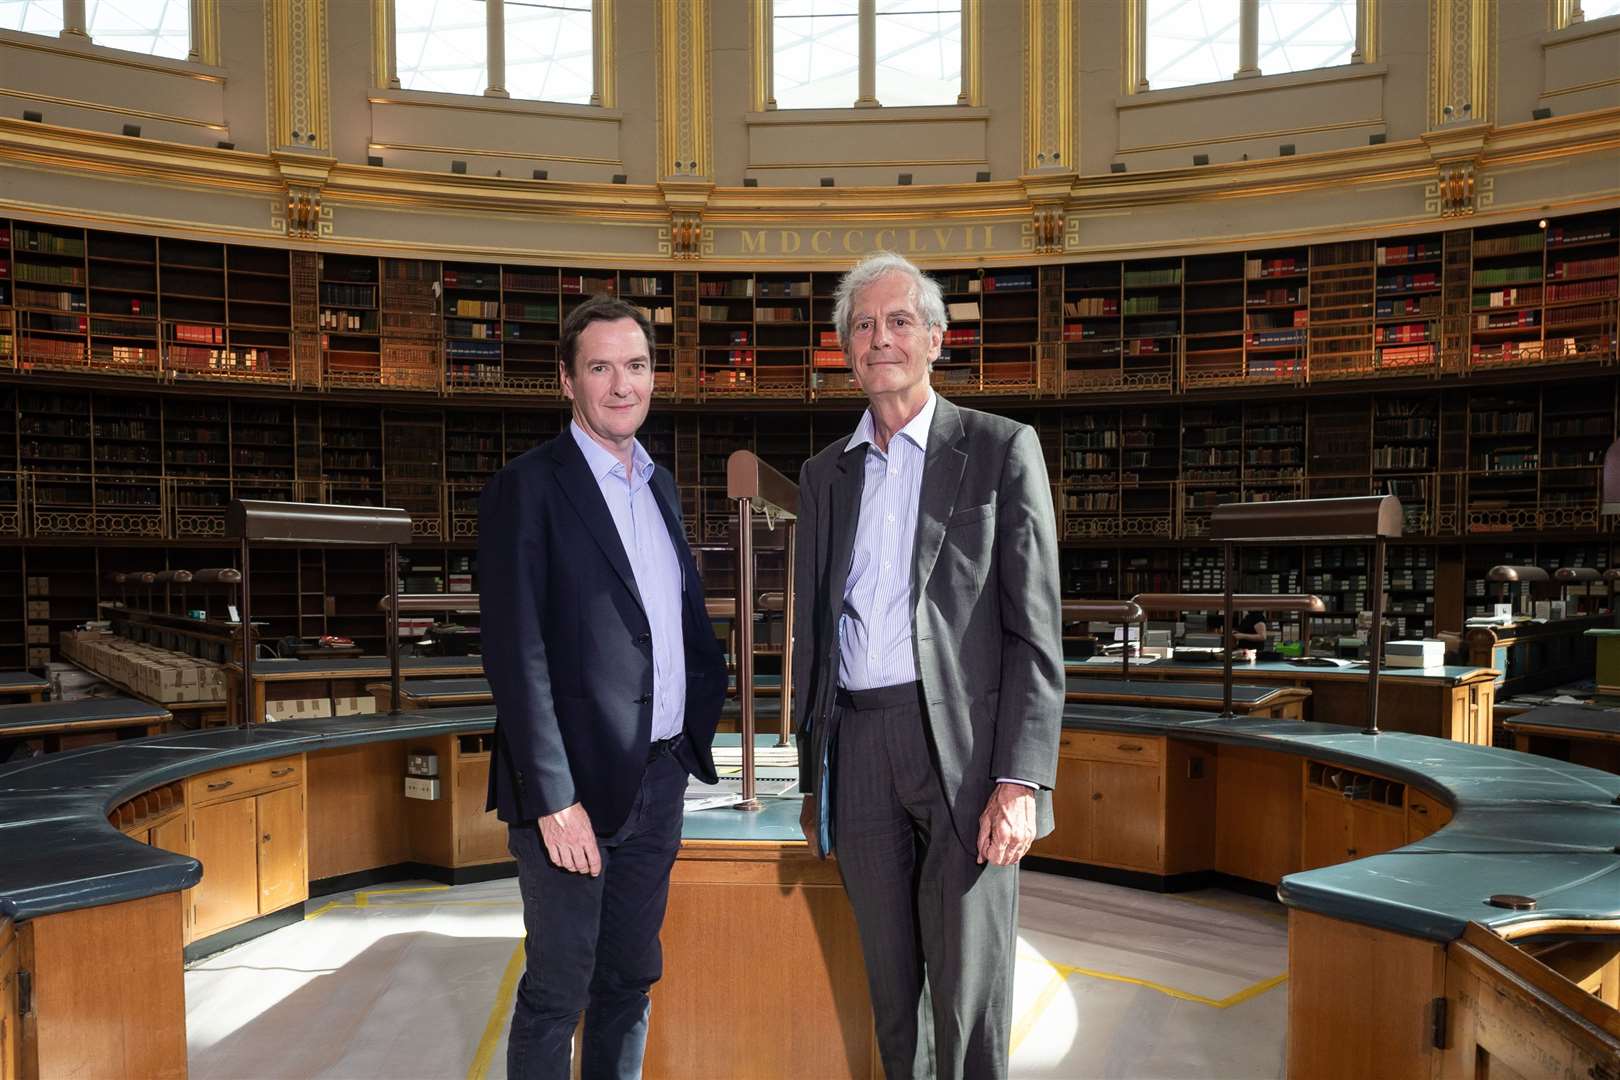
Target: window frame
<point>604,82</point>
<point>970,92</point>
<point>202,36</point>
<point>1135,81</point>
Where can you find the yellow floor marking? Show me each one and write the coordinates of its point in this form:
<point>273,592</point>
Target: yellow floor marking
<point>499,1014</point>
<point>362,899</point>
<point>1043,1001</point>
<point>1248,992</point>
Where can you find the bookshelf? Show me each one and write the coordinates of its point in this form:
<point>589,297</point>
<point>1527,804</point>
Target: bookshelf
<point>351,340</point>
<point>1503,455</point>
<point>1343,295</point>
<point>1273,451</point>
<point>1149,471</point>
<point>50,297</point>
<point>1010,331</point>
<point>726,335</point>
<point>654,294</point>
<point>1089,482</point>
<point>351,455</point>
<point>1214,308</point>
<point>123,302</point>
<point>1583,269</point>
<point>1151,327</point>
<point>413,467</point>
<point>1339,444</point>
<point>126,449</point>
<point>473,442</point>
<point>8,323</point>
<point>1577,427</point>
<point>1507,296</point>
<point>532,310</point>
<point>1409,289</point>
<point>197,464</point>
<point>408,322</point>
<point>473,325</point>
<point>1093,346</point>
<point>258,286</point>
<point>1405,453</point>
<point>192,304</point>
<point>829,369</point>
<point>1211,463</point>
<point>1277,303</point>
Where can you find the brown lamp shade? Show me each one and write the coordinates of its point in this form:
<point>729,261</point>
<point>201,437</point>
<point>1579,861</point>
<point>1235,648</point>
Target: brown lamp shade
<point>747,477</point>
<point>1516,573</point>
<point>177,577</point>
<point>265,521</point>
<point>1357,517</point>
<point>431,602</point>
<point>224,575</point>
<point>1268,602</point>
<point>1116,611</point>
<point>1575,575</point>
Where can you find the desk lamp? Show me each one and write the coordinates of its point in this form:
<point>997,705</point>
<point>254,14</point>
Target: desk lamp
<point>756,486</point>
<point>1358,517</point>
<point>264,521</point>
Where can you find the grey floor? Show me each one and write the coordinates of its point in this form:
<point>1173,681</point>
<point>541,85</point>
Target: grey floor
<point>415,980</point>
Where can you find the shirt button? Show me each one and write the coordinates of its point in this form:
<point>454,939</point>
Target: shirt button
<point>885,566</point>
<point>894,472</point>
<point>891,519</point>
<point>872,656</point>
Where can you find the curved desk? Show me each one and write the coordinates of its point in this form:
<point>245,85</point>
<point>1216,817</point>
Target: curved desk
<point>23,686</point>
<point>68,723</point>
<point>1281,702</point>
<point>1584,734</point>
<point>1373,942</point>
<point>333,679</point>
<point>1452,702</point>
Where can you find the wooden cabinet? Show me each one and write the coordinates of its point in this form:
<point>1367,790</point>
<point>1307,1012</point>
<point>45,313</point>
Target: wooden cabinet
<point>1349,815</point>
<point>10,1010</point>
<point>248,829</point>
<point>453,830</point>
<point>1108,802</point>
<point>1424,815</point>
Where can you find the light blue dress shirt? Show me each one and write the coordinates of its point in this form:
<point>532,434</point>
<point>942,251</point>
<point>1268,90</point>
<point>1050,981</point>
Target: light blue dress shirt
<point>656,567</point>
<point>874,628</point>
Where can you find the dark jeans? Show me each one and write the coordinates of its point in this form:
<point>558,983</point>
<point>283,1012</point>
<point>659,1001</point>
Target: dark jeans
<point>591,943</point>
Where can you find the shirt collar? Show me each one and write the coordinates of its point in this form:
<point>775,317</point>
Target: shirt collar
<point>601,460</point>
<point>916,430</point>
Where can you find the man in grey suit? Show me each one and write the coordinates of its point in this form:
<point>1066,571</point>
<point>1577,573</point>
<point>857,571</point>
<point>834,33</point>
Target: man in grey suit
<point>928,653</point>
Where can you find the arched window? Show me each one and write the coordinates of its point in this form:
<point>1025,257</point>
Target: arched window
<point>1189,42</point>
<point>834,54</point>
<point>548,48</point>
<point>152,27</point>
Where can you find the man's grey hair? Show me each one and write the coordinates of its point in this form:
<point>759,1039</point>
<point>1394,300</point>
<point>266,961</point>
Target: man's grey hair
<point>930,300</point>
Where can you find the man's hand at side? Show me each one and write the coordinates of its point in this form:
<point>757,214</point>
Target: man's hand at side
<point>570,841</point>
<point>810,822</point>
<point>1007,826</point>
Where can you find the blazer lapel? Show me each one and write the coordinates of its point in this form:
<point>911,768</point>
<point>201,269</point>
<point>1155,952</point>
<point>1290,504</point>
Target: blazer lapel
<point>942,474</point>
<point>582,490</point>
<point>844,513</point>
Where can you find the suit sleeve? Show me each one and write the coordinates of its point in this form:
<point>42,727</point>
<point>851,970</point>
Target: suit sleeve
<point>1029,718</point>
<point>804,645</point>
<point>512,562</point>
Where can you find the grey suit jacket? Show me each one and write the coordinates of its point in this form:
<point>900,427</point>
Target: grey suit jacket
<point>986,622</point>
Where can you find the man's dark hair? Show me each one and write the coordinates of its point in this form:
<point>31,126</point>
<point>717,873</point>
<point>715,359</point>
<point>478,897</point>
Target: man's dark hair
<point>600,309</point>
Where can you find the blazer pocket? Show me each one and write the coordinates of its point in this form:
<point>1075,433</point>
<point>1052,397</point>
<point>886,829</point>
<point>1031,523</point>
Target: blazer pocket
<point>971,515</point>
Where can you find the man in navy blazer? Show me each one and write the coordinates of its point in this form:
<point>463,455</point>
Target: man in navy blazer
<point>608,683</point>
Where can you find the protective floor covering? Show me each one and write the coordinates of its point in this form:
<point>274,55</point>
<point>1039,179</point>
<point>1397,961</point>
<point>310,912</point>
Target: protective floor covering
<point>415,980</point>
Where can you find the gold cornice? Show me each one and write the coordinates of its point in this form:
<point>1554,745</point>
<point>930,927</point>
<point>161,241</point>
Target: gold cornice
<point>761,166</point>
<point>1582,88</point>
<point>129,60</point>
<point>117,110</point>
<point>48,147</point>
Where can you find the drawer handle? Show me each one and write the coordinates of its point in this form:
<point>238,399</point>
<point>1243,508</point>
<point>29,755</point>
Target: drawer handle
<point>1130,747</point>
<point>281,772</point>
<point>1096,796</point>
<point>221,785</point>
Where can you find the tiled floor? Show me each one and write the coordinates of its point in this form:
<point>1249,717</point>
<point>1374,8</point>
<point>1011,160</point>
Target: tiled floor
<point>415,980</point>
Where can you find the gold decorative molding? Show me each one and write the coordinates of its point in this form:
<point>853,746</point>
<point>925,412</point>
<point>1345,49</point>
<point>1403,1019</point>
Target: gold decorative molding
<point>1451,194</point>
<point>1049,112</point>
<point>761,56</point>
<point>1368,31</point>
<point>150,64</point>
<point>605,71</point>
<point>384,74</point>
<point>681,29</point>
<point>1133,47</point>
<point>205,32</point>
<point>973,54</point>
<point>302,214</point>
<point>296,63</point>
<point>1462,61</point>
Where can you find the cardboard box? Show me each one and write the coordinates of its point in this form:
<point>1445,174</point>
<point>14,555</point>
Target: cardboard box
<point>39,657</point>
<point>1415,654</point>
<point>39,609</point>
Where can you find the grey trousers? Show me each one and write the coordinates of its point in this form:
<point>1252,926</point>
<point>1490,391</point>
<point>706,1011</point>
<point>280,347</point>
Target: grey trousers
<point>929,915</point>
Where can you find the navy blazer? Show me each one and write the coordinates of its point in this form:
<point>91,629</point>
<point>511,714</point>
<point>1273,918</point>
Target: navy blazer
<point>567,645</point>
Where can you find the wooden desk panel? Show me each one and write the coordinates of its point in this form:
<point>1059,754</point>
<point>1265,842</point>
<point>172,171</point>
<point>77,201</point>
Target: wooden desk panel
<point>780,915</point>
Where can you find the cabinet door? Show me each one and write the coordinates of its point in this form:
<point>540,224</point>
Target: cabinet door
<point>1375,828</point>
<point>1070,837</point>
<point>283,872</point>
<point>480,837</point>
<point>1128,814</point>
<point>224,839</point>
<point>1325,834</point>
<point>10,1014</point>
<point>171,836</point>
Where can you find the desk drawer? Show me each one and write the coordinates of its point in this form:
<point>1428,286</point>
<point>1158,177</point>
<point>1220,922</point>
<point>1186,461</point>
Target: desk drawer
<point>1094,747</point>
<point>243,779</point>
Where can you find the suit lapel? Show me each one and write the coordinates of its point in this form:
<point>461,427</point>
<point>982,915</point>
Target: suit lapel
<point>942,475</point>
<point>844,514</point>
<point>690,582</point>
<point>586,496</point>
